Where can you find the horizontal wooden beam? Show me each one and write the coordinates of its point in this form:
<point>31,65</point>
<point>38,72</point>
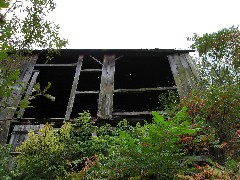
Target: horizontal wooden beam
<point>91,70</point>
<point>55,65</point>
<point>144,89</point>
<point>131,90</point>
<point>42,118</point>
<point>134,113</point>
<point>87,92</point>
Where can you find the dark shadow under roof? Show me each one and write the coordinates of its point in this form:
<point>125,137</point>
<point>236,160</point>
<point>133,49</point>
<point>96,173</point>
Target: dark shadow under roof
<point>128,52</point>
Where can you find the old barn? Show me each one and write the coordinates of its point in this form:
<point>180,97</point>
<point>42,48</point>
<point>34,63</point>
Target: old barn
<point>111,83</point>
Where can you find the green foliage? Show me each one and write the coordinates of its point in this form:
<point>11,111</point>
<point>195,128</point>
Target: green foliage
<point>152,150</point>
<point>5,157</point>
<point>170,101</point>
<point>219,56</point>
<point>4,3</point>
<point>212,171</point>
<point>56,153</point>
<point>33,30</point>
<point>44,155</point>
<point>22,34</point>
<point>216,105</point>
<point>42,92</point>
<point>84,150</point>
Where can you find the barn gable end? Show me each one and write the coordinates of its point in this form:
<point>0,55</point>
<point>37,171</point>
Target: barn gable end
<point>111,84</point>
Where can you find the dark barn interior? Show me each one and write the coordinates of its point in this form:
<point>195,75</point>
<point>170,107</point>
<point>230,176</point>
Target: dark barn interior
<point>134,70</point>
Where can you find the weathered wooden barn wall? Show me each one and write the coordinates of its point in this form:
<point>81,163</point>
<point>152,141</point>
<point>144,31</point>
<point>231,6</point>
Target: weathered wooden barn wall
<point>7,114</point>
<point>111,84</point>
<point>184,72</point>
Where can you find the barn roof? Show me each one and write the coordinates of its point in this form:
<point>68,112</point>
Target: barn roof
<point>128,52</point>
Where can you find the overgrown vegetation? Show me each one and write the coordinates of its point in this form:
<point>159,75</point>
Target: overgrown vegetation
<point>21,35</point>
<point>153,150</point>
<point>23,28</point>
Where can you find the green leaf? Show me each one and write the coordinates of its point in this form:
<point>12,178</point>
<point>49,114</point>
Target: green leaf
<point>52,98</point>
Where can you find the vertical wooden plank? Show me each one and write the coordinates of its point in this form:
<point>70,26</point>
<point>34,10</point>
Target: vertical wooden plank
<point>192,66</point>
<point>4,129</point>
<point>74,88</point>
<point>188,72</point>
<point>29,91</point>
<point>179,75</point>
<point>184,73</point>
<point>8,113</point>
<point>105,102</point>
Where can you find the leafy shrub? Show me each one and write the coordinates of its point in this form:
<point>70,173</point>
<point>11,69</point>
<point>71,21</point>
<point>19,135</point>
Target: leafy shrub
<point>212,171</point>
<point>44,155</point>
<point>5,157</point>
<point>52,154</point>
<point>149,151</point>
<point>217,109</point>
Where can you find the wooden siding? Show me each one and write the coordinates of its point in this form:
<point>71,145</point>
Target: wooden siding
<point>184,73</point>
<point>8,113</point>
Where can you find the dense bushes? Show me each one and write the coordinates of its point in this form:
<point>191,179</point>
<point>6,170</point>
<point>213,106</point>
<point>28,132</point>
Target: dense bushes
<point>218,109</point>
<point>163,149</point>
<point>5,158</point>
<point>153,150</point>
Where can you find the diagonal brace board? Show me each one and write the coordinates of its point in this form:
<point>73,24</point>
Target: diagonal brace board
<point>105,102</point>
<point>29,92</point>
<point>74,88</point>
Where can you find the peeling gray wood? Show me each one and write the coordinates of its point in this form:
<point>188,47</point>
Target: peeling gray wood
<point>91,70</point>
<point>192,66</point>
<point>19,134</point>
<point>4,129</point>
<point>43,119</point>
<point>128,91</point>
<point>105,102</point>
<point>173,65</point>
<point>179,75</point>
<point>87,92</point>
<point>29,92</point>
<point>188,73</point>
<point>8,113</point>
<point>143,89</point>
<point>74,88</point>
<point>184,73</point>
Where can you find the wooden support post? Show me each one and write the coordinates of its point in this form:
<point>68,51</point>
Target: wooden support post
<point>29,92</point>
<point>105,102</point>
<point>183,73</point>
<point>74,88</point>
<point>8,113</point>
